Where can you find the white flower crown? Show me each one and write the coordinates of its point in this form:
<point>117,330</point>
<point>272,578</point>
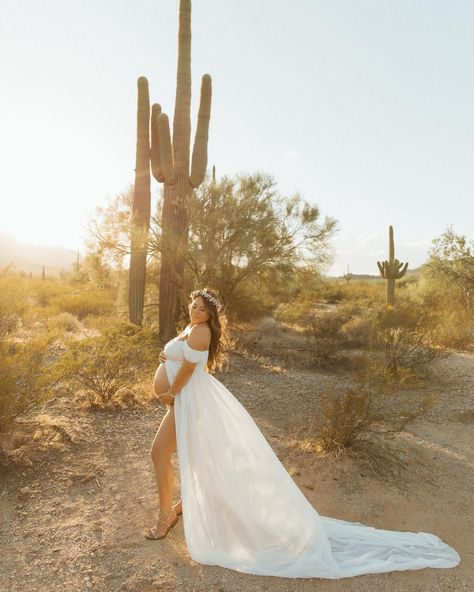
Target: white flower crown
<point>209,297</point>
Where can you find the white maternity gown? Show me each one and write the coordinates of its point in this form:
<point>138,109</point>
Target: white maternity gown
<point>242,510</point>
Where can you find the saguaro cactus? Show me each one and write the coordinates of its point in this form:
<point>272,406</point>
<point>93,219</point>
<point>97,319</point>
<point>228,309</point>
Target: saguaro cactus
<point>140,208</point>
<point>392,269</point>
<point>170,166</point>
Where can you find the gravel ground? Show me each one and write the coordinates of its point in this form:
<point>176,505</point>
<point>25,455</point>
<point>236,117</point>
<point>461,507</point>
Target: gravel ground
<point>73,514</point>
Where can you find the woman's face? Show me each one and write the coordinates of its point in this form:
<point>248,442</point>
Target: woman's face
<point>197,311</point>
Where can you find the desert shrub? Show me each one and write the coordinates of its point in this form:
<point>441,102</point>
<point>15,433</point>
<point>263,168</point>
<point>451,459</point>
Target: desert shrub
<point>12,302</point>
<point>454,328</point>
<point>123,355</point>
<point>320,325</point>
<point>66,321</point>
<point>77,298</point>
<point>350,300</point>
<point>401,338</point>
<point>101,323</point>
<point>450,267</point>
<point>356,332</point>
<point>445,290</point>
<point>25,378</point>
<point>269,326</point>
<point>294,312</point>
<point>85,303</point>
<point>375,406</point>
<point>452,322</point>
<point>45,290</point>
<point>367,291</point>
<point>321,328</point>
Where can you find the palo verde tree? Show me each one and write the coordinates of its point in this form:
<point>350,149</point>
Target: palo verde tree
<point>242,234</point>
<point>243,231</point>
<point>450,268</point>
<point>171,166</point>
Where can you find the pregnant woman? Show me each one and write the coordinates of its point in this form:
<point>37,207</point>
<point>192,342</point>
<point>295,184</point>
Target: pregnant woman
<point>241,509</point>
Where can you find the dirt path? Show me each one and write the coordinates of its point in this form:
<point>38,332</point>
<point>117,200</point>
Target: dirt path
<point>74,519</point>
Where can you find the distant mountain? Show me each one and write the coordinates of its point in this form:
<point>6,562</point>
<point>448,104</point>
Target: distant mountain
<point>31,258</point>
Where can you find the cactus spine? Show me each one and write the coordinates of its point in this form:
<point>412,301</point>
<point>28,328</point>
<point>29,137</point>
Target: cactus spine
<point>140,208</point>
<point>392,269</point>
<point>171,166</point>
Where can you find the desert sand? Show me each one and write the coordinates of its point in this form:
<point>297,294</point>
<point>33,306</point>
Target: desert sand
<point>73,514</point>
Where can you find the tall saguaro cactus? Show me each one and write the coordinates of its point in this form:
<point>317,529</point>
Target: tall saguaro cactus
<point>171,166</point>
<point>392,269</point>
<point>140,208</point>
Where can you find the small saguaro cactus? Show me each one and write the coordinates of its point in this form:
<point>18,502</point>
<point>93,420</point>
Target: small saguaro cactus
<point>170,162</point>
<point>392,269</point>
<point>347,276</point>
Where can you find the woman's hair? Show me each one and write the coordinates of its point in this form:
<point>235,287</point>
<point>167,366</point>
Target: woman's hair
<point>217,322</point>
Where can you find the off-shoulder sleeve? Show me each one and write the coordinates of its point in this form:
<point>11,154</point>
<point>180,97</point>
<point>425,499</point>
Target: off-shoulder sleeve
<point>192,355</point>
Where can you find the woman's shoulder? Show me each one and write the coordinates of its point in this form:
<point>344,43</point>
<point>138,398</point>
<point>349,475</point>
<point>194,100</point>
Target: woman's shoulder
<point>199,336</point>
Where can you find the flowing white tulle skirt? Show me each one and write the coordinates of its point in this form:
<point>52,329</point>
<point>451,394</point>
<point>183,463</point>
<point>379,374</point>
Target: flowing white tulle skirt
<point>242,510</point>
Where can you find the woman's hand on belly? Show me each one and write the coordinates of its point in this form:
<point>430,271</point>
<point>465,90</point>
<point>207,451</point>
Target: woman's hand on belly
<point>162,356</point>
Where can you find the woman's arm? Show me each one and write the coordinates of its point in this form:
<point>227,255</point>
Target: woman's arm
<point>182,376</point>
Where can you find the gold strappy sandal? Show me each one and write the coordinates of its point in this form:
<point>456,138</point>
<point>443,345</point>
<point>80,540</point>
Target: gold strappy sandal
<point>170,520</point>
<point>178,506</point>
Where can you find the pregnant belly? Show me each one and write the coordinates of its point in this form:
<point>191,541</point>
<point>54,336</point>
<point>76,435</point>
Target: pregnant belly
<point>160,382</point>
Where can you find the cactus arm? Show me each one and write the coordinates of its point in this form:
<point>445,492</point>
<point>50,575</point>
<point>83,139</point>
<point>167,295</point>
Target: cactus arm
<point>141,203</point>
<point>166,152</point>
<point>401,272</point>
<point>156,167</point>
<point>391,244</point>
<point>380,269</point>
<point>199,158</point>
<point>182,117</point>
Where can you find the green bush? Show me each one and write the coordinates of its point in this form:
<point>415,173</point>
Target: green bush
<point>123,355</point>
<point>402,338</point>
<point>319,325</point>
<point>362,291</point>
<point>66,321</point>
<point>12,302</point>
<point>86,303</point>
<point>80,299</point>
<point>43,291</point>
<point>375,406</point>
<point>269,326</point>
<point>452,322</point>
<point>356,331</point>
<point>454,328</point>
<point>25,378</point>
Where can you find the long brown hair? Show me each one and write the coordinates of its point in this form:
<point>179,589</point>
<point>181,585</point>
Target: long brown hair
<point>217,323</point>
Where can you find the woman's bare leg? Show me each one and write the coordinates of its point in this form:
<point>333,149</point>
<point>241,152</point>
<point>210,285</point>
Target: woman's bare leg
<point>164,444</point>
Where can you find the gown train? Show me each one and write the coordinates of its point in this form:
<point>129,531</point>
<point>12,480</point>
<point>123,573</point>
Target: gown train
<point>242,510</point>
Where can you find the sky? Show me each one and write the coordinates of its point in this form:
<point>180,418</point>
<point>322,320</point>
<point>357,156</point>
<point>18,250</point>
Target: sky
<point>364,107</point>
